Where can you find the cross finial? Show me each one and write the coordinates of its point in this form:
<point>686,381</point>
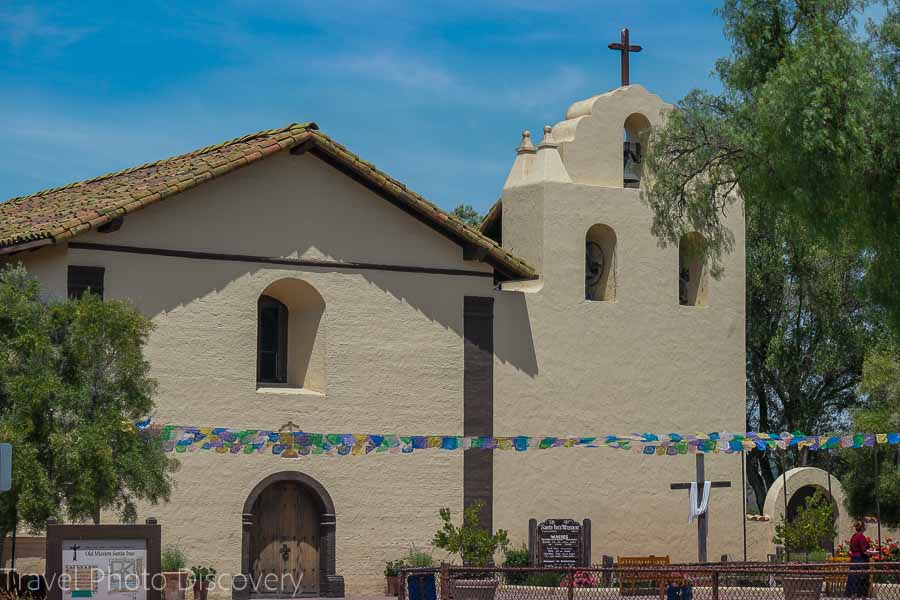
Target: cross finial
<point>625,47</point>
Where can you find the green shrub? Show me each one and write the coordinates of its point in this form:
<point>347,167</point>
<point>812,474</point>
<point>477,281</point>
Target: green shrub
<point>392,567</point>
<point>173,559</point>
<point>544,579</point>
<point>204,574</point>
<point>818,556</point>
<point>516,557</point>
<point>474,544</point>
<point>814,522</point>
<point>418,559</point>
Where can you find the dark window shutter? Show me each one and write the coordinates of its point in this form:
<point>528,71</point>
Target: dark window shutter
<point>271,341</point>
<point>85,279</point>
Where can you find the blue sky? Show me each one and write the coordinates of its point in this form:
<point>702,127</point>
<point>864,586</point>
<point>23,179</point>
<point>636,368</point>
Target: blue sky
<point>435,93</point>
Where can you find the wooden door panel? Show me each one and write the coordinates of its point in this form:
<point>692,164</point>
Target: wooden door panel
<point>307,561</point>
<point>285,542</point>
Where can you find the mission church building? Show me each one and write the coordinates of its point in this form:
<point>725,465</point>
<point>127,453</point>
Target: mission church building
<point>294,285</point>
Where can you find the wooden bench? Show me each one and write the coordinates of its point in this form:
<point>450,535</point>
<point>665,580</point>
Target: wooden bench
<point>632,583</point>
<point>836,583</point>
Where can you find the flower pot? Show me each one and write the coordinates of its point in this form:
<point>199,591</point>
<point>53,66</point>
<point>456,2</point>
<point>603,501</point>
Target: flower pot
<point>393,584</point>
<point>201,590</point>
<point>176,584</point>
<point>802,587</point>
<point>473,589</point>
<point>421,586</point>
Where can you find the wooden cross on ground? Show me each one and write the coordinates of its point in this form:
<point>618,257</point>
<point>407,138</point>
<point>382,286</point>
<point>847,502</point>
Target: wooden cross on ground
<point>702,520</point>
<point>625,47</point>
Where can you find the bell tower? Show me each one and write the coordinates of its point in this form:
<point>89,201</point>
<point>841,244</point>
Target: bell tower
<point>596,151</point>
<point>619,334</point>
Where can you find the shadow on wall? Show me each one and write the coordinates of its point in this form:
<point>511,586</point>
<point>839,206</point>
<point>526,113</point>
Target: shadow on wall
<point>268,217</point>
<point>440,298</point>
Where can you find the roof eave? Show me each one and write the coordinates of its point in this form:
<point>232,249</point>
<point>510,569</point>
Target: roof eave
<point>308,138</point>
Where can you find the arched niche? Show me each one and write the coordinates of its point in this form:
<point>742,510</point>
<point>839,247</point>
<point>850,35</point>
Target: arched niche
<point>304,308</point>
<point>600,264</point>
<point>635,135</point>
<point>693,272</point>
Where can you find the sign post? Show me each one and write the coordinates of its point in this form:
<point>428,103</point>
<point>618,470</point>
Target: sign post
<point>559,543</point>
<point>103,562</point>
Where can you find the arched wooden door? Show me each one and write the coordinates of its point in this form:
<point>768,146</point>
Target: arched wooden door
<point>284,547</point>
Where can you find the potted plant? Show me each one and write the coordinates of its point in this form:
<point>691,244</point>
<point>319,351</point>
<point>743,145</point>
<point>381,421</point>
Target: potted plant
<point>391,574</point>
<point>422,584</point>
<point>476,546</point>
<point>202,576</point>
<point>173,562</point>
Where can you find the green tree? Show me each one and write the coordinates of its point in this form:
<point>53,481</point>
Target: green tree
<point>812,528</point>
<point>807,330</point>
<point>467,214</point>
<point>806,127</point>
<point>881,387</point>
<point>73,381</point>
<point>28,386</point>
<point>107,462</point>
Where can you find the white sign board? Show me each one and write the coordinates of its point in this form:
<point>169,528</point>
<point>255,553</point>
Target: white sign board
<point>104,569</point>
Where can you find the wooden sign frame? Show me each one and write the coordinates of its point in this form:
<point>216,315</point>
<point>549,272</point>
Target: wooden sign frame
<point>150,533</point>
<point>534,543</point>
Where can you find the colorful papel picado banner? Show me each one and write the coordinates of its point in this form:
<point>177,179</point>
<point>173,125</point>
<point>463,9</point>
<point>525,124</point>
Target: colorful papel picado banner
<point>297,444</point>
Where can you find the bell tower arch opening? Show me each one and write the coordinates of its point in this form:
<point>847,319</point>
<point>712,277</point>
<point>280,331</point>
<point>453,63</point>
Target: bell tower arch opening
<point>635,130</point>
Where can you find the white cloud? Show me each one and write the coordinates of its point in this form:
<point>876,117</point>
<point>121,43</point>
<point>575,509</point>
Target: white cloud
<point>393,68</point>
<point>23,26</point>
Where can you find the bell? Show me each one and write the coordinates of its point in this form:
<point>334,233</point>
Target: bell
<point>632,170</point>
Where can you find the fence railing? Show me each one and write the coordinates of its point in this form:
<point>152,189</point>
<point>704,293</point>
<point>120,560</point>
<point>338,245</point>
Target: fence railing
<point>713,581</point>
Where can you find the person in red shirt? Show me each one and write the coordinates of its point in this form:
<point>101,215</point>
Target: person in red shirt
<point>858,583</point>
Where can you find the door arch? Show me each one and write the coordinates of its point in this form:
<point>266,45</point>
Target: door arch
<point>310,514</point>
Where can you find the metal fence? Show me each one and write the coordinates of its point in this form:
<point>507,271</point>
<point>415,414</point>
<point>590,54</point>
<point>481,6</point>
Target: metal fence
<point>717,581</point>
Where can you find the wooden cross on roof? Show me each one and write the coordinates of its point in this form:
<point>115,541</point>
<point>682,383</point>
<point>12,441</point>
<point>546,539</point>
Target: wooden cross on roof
<point>625,47</point>
<point>702,520</point>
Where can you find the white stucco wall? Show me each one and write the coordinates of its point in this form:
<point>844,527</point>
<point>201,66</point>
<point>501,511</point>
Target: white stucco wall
<point>637,364</point>
<point>393,342</point>
<point>394,354</point>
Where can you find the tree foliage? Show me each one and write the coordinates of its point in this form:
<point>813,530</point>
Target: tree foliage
<point>881,386</point>
<point>808,329</point>
<point>467,214</point>
<point>813,523</point>
<point>73,380</point>
<point>806,127</point>
<point>474,544</point>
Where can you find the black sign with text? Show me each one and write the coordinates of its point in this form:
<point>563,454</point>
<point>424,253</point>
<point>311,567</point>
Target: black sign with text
<point>559,543</point>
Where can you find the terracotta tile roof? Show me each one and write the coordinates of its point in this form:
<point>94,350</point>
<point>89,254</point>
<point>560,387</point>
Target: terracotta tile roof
<point>489,225</point>
<point>62,213</point>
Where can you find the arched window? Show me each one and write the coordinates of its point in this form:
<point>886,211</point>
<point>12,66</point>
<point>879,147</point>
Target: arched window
<point>636,126</point>
<point>693,284</point>
<point>290,342</point>
<point>600,264</point>
<point>272,338</point>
